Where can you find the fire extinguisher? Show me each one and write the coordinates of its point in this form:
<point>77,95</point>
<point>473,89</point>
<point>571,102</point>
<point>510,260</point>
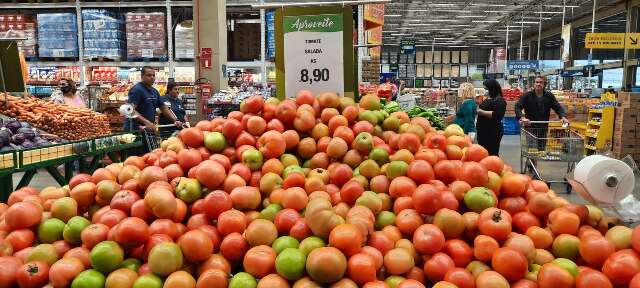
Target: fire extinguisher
<point>204,90</point>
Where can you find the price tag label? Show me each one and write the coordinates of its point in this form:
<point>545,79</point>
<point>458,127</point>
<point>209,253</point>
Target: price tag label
<point>147,53</point>
<point>57,52</point>
<point>313,45</point>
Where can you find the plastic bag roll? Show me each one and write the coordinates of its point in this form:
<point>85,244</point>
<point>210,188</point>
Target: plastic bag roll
<point>608,180</point>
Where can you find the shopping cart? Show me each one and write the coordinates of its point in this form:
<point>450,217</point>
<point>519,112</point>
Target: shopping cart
<point>153,138</point>
<point>540,141</point>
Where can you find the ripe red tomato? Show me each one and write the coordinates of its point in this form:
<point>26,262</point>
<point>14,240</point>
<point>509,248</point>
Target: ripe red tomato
<point>33,274</point>
<point>132,232</point>
<point>510,263</point>
<point>428,239</point>
<point>622,266</point>
<point>437,266</point>
<point>459,251</point>
<point>495,223</point>
<point>10,266</point>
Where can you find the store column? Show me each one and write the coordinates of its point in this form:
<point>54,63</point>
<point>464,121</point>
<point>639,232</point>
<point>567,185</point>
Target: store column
<point>211,41</point>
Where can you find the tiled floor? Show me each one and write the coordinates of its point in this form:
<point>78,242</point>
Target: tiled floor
<point>509,152</point>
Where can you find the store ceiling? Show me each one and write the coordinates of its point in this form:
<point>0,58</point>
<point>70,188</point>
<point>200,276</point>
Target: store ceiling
<point>466,23</point>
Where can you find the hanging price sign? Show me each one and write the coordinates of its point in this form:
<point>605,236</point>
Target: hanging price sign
<point>313,49</point>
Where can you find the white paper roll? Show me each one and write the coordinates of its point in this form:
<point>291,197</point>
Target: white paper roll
<point>608,180</point>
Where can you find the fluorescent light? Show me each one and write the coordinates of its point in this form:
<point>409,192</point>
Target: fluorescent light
<point>488,5</point>
<point>499,11</point>
<point>560,6</point>
<point>527,22</point>
<point>453,11</point>
<point>443,20</point>
<point>415,20</point>
<point>400,34</point>
<point>392,15</point>
<point>548,12</point>
<point>485,21</point>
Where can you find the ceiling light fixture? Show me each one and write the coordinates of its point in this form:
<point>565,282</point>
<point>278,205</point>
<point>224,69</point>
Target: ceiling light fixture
<point>488,5</point>
<point>392,15</point>
<point>527,22</point>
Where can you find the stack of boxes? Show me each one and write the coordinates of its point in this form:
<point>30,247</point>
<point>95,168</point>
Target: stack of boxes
<point>184,40</point>
<point>13,26</point>
<point>146,36</point>
<point>103,34</point>
<point>626,131</point>
<point>57,35</point>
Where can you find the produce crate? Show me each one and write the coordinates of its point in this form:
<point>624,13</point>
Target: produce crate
<point>43,156</point>
<point>116,142</point>
<point>8,160</point>
<point>511,126</point>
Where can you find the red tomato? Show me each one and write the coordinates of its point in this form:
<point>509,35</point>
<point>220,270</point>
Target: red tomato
<point>132,232</point>
<point>437,266</point>
<point>33,274</point>
<point>510,263</point>
<point>622,266</point>
<point>10,266</point>
<point>495,223</point>
<point>459,251</point>
<point>428,239</point>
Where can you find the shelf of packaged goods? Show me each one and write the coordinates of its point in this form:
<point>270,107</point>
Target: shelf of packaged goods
<point>100,4</point>
<point>110,64</point>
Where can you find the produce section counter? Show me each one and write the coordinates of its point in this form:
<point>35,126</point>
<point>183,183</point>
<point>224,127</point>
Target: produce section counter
<point>88,153</point>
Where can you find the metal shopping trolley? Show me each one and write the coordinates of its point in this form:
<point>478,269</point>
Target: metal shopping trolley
<point>153,138</point>
<point>544,141</point>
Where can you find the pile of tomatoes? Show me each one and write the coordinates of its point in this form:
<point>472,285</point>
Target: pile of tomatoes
<point>311,192</point>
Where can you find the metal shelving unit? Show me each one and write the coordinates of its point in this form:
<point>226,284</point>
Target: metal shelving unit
<point>261,65</point>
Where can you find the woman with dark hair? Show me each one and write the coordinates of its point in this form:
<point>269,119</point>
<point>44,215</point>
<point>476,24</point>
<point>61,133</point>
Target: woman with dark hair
<point>490,113</point>
<point>67,94</point>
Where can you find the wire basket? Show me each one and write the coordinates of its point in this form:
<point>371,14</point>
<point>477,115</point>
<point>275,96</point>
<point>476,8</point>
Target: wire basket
<point>540,142</point>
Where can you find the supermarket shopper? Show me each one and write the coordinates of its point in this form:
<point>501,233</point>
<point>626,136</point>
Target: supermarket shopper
<point>67,94</point>
<point>146,99</point>
<point>537,105</point>
<point>466,115</point>
<point>174,102</point>
<point>490,113</point>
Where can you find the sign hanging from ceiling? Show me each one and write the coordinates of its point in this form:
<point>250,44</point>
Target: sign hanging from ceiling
<point>522,65</point>
<point>612,41</point>
<point>408,46</point>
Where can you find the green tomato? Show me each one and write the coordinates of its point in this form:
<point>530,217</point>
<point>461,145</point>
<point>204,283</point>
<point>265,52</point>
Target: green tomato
<point>308,244</point>
<point>290,263</point>
<point>284,242</point>
<point>106,256</point>
<point>242,280</point>
<point>75,225</point>
<point>89,279</point>
<point>148,280</point>
<point>50,230</point>
<point>131,263</point>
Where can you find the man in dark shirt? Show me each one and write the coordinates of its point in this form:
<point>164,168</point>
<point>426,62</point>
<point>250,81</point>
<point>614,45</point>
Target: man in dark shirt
<point>145,100</point>
<point>537,105</point>
<point>172,101</point>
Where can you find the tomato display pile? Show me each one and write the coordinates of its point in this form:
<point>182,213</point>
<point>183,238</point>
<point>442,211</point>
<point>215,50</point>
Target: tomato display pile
<point>311,192</point>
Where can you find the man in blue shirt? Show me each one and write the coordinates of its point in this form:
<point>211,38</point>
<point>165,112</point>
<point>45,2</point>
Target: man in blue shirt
<point>172,101</point>
<point>145,100</point>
